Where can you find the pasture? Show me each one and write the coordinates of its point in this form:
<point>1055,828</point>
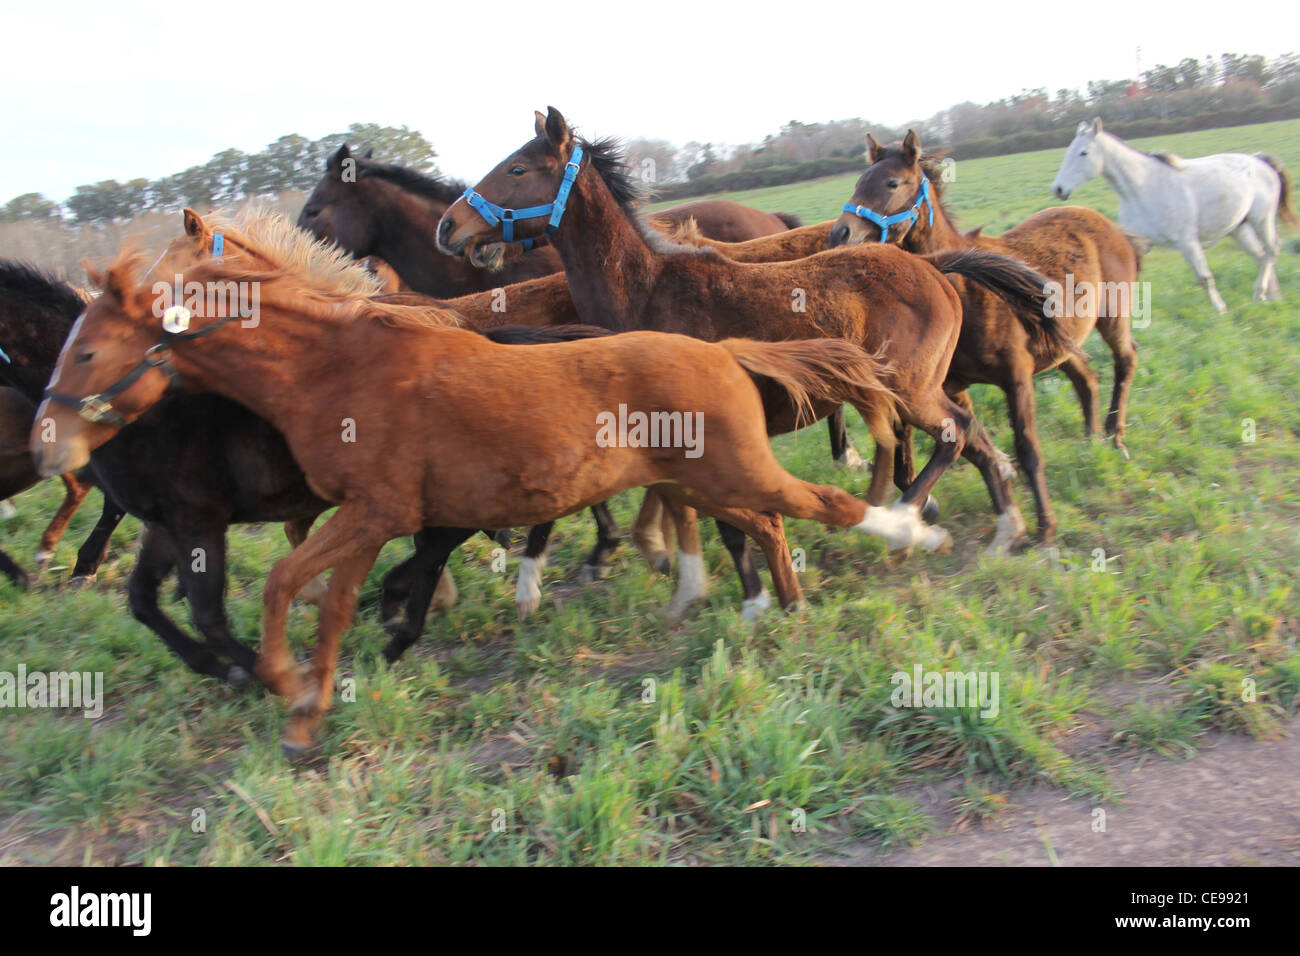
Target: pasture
<point>597,733</point>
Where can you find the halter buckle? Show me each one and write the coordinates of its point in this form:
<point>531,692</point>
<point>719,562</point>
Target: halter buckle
<point>95,409</point>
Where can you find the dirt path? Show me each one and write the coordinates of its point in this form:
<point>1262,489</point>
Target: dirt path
<point>1236,803</point>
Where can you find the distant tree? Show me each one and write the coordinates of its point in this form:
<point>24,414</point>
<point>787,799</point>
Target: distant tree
<point>29,206</point>
<point>399,145</point>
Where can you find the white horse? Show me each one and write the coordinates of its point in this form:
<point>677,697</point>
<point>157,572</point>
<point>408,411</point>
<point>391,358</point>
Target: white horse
<point>1188,203</point>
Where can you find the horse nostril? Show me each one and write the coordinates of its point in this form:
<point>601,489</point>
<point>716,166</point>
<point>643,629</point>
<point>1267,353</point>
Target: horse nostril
<point>444,231</point>
<point>838,236</point>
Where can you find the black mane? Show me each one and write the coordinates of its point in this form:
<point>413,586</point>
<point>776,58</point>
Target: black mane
<point>439,190</point>
<point>33,286</point>
<point>606,156</point>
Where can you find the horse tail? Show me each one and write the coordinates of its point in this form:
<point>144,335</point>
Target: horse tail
<point>823,370</point>
<point>1284,207</point>
<point>790,219</point>
<point>1022,288</point>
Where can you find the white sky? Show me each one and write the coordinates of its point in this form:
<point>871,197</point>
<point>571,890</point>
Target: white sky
<point>95,90</point>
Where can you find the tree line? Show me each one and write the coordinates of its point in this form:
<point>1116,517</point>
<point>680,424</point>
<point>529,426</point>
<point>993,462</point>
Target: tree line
<point>1193,94</point>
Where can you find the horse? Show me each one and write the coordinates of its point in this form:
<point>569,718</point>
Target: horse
<point>626,276</point>
<point>1073,246</point>
<point>34,308</point>
<point>1188,203</point>
<point>379,209</point>
<point>723,220</point>
<point>424,423</point>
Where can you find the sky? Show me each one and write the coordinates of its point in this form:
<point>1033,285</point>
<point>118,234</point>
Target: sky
<point>139,88</point>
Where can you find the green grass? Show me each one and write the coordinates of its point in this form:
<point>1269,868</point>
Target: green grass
<point>597,733</point>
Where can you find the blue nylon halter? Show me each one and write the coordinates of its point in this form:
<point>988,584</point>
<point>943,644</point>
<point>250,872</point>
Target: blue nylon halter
<point>907,215</point>
<point>5,357</point>
<point>493,214</point>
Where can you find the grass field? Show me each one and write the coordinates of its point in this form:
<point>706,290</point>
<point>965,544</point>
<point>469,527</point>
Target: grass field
<point>597,733</point>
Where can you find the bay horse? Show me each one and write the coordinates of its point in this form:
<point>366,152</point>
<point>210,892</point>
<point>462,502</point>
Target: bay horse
<point>1075,247</point>
<point>1188,203</point>
<point>420,422</point>
<point>625,276</point>
<point>36,310</point>
<point>379,209</point>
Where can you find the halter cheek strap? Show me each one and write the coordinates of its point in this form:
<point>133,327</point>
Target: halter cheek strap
<point>493,214</point>
<point>908,215</point>
<point>98,408</point>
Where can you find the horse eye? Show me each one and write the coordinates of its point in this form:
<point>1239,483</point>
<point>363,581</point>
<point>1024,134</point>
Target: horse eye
<point>1083,152</point>
<point>517,170</point>
<point>85,357</point>
<point>892,184</point>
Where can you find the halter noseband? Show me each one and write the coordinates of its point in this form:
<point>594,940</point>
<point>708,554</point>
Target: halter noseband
<point>493,214</point>
<point>908,215</point>
<point>98,408</point>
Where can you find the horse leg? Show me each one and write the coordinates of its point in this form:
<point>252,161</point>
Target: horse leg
<point>1024,424</point>
<point>608,536</point>
<point>648,535</point>
<point>904,472</point>
<point>1195,256</point>
<point>842,451</point>
<point>1117,333</point>
<point>11,569</point>
<point>349,530</point>
<point>692,576</point>
<point>201,566</point>
<point>74,492</point>
<point>1084,379</point>
<point>92,552</point>
<point>996,470</point>
<point>433,546</point>
<point>308,709</point>
<point>1249,240</point>
<point>528,589</point>
<point>1266,231</point>
<point>155,558</point>
<point>755,600</point>
<point>296,531</point>
<point>766,528</point>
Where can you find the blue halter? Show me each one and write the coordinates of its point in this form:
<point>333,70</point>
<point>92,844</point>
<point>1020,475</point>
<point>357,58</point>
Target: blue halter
<point>5,357</point>
<point>493,214</point>
<point>907,215</point>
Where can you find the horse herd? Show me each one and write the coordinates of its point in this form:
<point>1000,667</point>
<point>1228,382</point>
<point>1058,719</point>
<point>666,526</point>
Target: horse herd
<point>466,393</point>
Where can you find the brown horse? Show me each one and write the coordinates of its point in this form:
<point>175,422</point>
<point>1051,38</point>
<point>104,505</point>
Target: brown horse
<point>378,209</point>
<point>405,420</point>
<point>723,220</point>
<point>1075,247</point>
<point>893,304</point>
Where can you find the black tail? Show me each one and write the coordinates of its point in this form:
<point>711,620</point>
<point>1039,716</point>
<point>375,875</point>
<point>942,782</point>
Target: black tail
<point>789,218</point>
<point>1022,288</point>
<point>542,335</point>
<point>1284,207</point>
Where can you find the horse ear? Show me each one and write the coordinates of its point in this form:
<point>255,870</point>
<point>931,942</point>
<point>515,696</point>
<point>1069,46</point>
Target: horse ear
<point>557,129</point>
<point>340,154</point>
<point>369,153</point>
<point>94,275</point>
<point>1096,125</point>
<point>539,122</point>
<point>1084,127</point>
<point>911,147</point>
<point>194,225</point>
<point>874,149</point>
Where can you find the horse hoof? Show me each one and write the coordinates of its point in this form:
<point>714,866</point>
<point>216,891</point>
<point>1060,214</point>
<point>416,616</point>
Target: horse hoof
<point>590,573</point>
<point>81,582</point>
<point>237,676</point>
<point>754,608</point>
<point>1011,528</point>
<point>295,752</point>
<point>662,563</point>
<point>43,558</point>
<point>1120,447</point>
<point>937,541</point>
<point>930,510</point>
<point>850,460</point>
<point>526,608</point>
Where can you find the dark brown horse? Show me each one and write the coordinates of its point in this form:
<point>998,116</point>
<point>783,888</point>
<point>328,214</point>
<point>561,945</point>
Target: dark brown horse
<point>36,311</point>
<point>893,304</point>
<point>1077,248</point>
<point>442,432</point>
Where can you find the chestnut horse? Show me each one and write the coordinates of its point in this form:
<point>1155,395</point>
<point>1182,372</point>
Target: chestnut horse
<point>724,220</point>
<point>404,419</point>
<point>624,276</point>
<point>1076,248</point>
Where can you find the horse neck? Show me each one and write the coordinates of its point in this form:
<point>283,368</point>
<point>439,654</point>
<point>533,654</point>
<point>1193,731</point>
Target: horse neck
<point>404,226</point>
<point>923,238</point>
<point>609,264</point>
<point>1125,167</point>
<point>33,339</point>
